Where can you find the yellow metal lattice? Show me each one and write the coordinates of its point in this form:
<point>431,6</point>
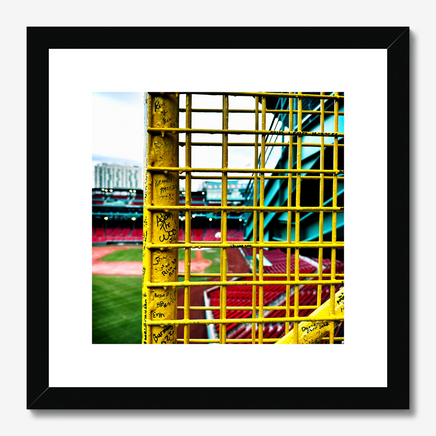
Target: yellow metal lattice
<point>161,220</point>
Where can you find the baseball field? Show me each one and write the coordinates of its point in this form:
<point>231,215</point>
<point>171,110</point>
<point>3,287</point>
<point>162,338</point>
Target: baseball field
<point>116,290</point>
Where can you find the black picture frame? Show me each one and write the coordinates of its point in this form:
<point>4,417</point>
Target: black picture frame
<point>395,40</point>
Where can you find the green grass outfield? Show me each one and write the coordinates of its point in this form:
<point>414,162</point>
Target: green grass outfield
<point>116,309</point>
<point>117,300</point>
<point>131,254</point>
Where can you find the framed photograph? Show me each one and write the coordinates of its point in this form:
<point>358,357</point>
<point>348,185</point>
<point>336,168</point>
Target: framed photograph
<point>66,66</point>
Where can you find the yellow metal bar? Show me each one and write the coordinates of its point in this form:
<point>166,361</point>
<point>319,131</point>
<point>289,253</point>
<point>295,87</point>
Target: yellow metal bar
<point>274,94</point>
<point>247,208</point>
<point>223,264</point>
<point>255,193</point>
<point>311,332</point>
<point>187,303</point>
<point>275,244</point>
<point>297,219</point>
<point>321,204</point>
<point>243,307</point>
<point>243,170</point>
<point>250,111</point>
<point>241,341</point>
<point>162,226</point>
<point>289,226</point>
<point>229,341</point>
<point>302,275</point>
<point>261,221</point>
<point>244,283</point>
<point>251,144</point>
<point>334,217</point>
<point>242,320</point>
<point>266,177</point>
<point>158,130</point>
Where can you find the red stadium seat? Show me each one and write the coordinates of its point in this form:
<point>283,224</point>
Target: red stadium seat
<point>125,232</point>
<point>197,234</point>
<point>210,235</point>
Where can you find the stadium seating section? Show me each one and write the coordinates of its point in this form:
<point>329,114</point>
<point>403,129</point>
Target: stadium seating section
<point>278,259</point>
<point>212,235</point>
<point>273,295</point>
<point>118,234</point>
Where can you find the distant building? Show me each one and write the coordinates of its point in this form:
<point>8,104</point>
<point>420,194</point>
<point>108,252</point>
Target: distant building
<point>117,176</point>
<point>235,191</point>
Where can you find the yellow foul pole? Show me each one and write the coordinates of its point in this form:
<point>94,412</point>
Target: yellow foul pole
<point>161,188</point>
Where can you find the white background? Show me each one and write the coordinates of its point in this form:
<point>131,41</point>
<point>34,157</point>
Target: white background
<point>74,361</point>
<point>15,419</point>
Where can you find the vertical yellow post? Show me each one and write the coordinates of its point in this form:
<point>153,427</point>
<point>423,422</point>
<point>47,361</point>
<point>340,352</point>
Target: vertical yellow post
<point>289,227</point>
<point>161,227</point>
<point>188,215</point>
<point>297,218</point>
<point>223,265</point>
<point>262,217</point>
<point>321,204</point>
<point>256,166</point>
<point>334,215</point>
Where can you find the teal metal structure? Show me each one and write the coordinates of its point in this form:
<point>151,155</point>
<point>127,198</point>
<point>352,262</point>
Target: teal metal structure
<point>275,224</point>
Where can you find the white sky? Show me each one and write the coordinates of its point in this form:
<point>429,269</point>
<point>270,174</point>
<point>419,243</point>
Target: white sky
<point>118,129</point>
<point>118,125</point>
